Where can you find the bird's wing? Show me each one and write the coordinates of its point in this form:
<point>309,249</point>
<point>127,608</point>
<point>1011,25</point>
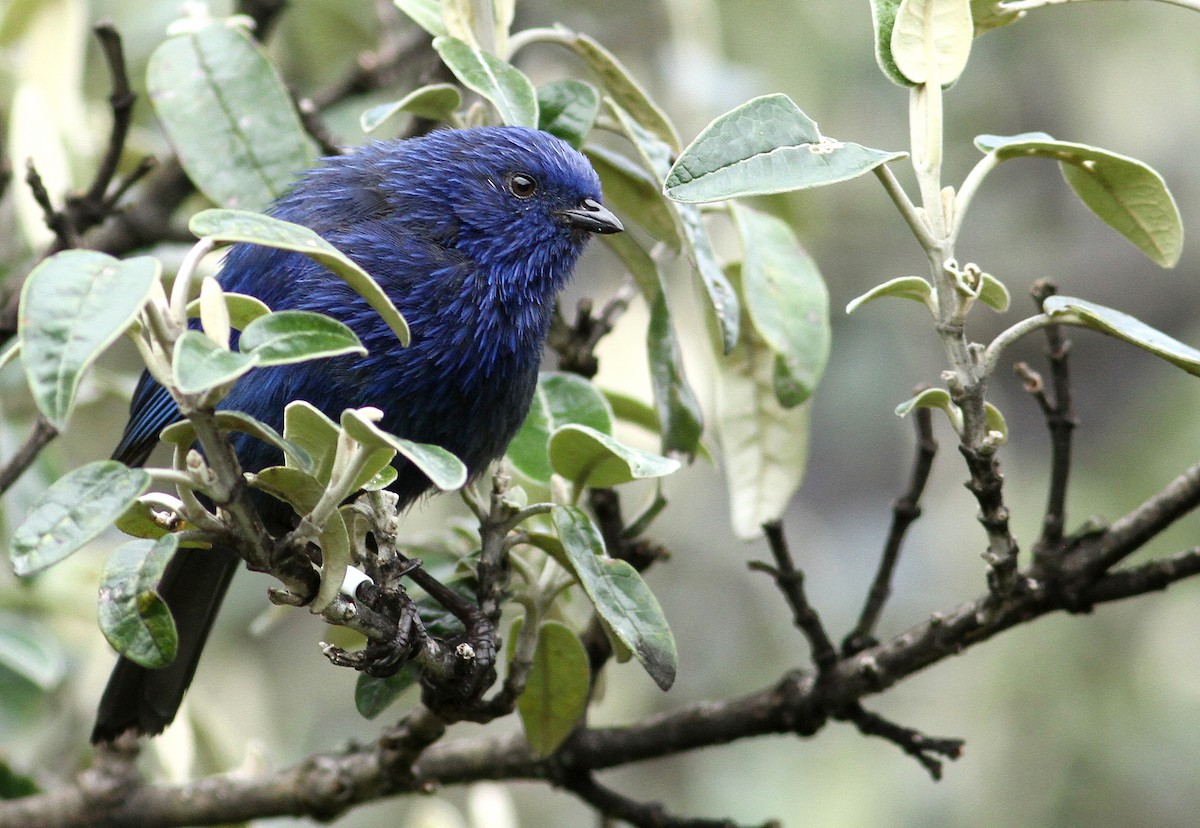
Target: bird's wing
<point>150,411</point>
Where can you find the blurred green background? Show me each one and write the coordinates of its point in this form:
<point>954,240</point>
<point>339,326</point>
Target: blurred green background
<point>1070,721</point>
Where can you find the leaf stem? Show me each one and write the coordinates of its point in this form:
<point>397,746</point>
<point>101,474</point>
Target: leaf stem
<point>991,356</point>
<point>908,210</point>
<point>968,189</point>
<point>181,290</point>
<point>547,34</point>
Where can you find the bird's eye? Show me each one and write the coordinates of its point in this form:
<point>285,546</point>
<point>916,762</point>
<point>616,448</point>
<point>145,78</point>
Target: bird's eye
<point>522,185</point>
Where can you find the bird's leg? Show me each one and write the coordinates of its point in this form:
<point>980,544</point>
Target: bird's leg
<point>381,659</point>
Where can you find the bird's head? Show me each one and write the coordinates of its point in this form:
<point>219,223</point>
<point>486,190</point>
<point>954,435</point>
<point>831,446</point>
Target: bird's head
<point>515,195</point>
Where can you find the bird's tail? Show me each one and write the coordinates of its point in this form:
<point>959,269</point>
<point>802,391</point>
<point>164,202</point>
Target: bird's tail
<point>193,586</point>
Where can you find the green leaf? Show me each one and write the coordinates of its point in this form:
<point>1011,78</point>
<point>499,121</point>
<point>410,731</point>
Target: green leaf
<point>183,433</point>
<point>307,427</point>
<point>787,302</point>
<point>335,560</point>
<point>240,226</point>
<point>929,398</point>
<point>436,102</point>
<point>766,145</point>
<point>556,689</point>
<point>200,364</point>
<point>285,337</point>
<point>625,90</point>
<point>138,521</point>
<point>1123,326</point>
<point>641,265</point>
<point>380,479</point>
<point>442,468</point>
<point>588,457</point>
<point>552,546</point>
<point>940,398</point>
<point>993,293</point>
<point>133,616</point>
<point>1127,194</point>
<point>679,414</point>
<point>228,116</point>
<point>374,695</point>
<point>764,446</point>
<point>883,16</point>
<point>657,157</point>
<point>905,287</point>
<point>995,422</point>
<point>72,511</point>
<point>32,652</point>
<point>294,487</point>
<point>560,398</point>
<point>567,109</point>
<point>302,492</point>
<point>931,39</point>
<point>319,436</point>
<point>73,306</point>
<point>620,596</point>
<point>990,14</point>
<point>242,309</point>
<point>15,785</point>
<point>631,192</point>
<point>214,313</point>
<point>425,13</point>
<point>496,80</point>
<point>632,410</point>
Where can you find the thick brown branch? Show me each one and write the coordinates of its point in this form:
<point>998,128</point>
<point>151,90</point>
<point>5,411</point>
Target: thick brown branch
<point>1160,574</point>
<point>324,786</point>
<point>1131,532</point>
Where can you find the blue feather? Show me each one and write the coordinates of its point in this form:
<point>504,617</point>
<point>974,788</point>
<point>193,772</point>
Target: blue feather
<point>474,268</point>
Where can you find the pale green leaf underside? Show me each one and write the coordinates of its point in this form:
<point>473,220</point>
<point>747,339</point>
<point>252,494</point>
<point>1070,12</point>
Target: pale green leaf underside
<point>1123,326</point>
<point>242,226</point>
<point>931,39</point>
<point>73,306</point>
<point>766,145</point>
<point>1125,193</point>
<point>904,287</point>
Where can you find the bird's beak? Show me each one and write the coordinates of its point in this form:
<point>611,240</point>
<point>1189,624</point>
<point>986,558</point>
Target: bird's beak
<point>591,216</point>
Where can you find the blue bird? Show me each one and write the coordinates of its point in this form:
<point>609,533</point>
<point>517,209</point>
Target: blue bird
<point>472,233</point>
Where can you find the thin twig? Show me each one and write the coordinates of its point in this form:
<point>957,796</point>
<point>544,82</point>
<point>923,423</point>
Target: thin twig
<point>905,511</point>
<point>56,220</point>
<point>790,581</point>
<point>576,343</point>
<point>37,439</point>
<point>929,751</point>
<point>121,99</point>
<point>641,814</point>
<point>1061,421</point>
